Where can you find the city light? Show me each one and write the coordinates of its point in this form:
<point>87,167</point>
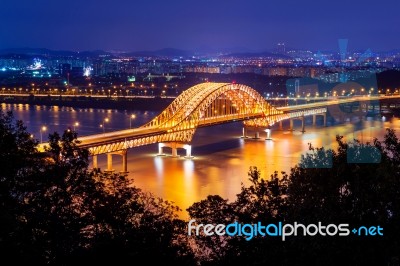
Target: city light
<point>42,129</point>
<point>130,120</point>
<point>76,124</point>
<point>103,125</point>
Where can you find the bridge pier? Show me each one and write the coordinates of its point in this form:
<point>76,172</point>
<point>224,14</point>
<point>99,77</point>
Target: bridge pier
<point>174,147</point>
<point>315,118</point>
<point>257,131</point>
<point>302,124</point>
<point>109,162</point>
<point>280,125</point>
<point>268,131</point>
<point>188,151</point>
<point>174,152</point>
<point>244,132</point>
<point>94,162</point>
<point>124,154</point>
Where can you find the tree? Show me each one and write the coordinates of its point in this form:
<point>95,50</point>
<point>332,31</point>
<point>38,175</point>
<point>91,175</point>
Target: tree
<point>18,159</point>
<point>58,212</point>
<point>263,201</point>
<point>357,193</point>
<point>357,184</point>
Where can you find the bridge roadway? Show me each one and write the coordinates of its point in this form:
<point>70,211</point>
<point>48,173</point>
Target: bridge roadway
<point>143,132</point>
<point>292,108</point>
<point>117,142</point>
<point>110,137</point>
<point>92,140</point>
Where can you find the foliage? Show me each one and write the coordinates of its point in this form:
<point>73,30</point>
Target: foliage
<point>56,211</point>
<point>324,188</point>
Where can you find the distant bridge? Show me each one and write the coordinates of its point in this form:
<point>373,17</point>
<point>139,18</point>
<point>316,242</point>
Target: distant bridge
<point>168,77</point>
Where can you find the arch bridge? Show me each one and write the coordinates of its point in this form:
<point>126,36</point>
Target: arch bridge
<point>202,105</point>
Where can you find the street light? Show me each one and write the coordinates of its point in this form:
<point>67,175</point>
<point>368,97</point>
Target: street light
<point>42,129</point>
<point>130,120</point>
<point>103,125</point>
<point>75,125</point>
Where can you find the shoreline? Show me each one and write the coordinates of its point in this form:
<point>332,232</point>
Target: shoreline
<point>118,103</point>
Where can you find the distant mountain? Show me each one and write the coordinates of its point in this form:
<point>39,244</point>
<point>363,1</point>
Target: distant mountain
<point>167,52</point>
<point>206,50</point>
<point>251,55</point>
<point>48,52</point>
<point>93,53</point>
<point>34,51</point>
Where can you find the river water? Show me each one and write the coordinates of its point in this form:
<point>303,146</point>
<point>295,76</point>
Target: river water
<point>221,157</point>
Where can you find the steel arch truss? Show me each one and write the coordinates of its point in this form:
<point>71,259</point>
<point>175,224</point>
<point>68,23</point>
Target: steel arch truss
<point>211,103</point>
<point>179,136</point>
<point>203,105</point>
<point>271,120</point>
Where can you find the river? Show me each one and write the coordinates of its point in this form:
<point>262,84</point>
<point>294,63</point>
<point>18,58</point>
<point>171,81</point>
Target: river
<point>221,157</point>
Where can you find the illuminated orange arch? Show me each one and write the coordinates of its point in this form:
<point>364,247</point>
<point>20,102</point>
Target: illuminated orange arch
<point>187,110</point>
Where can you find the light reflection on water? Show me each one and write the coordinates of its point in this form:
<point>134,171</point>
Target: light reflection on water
<point>221,158</point>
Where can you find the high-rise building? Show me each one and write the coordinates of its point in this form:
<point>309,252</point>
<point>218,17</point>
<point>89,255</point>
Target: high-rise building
<point>280,48</point>
<point>343,48</point>
<point>297,86</point>
<point>65,69</point>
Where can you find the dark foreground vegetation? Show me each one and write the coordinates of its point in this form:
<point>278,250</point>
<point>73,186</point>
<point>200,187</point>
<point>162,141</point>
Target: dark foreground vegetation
<point>55,211</point>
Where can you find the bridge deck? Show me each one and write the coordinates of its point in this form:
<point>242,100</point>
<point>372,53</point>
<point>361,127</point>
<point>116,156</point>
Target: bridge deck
<point>143,132</point>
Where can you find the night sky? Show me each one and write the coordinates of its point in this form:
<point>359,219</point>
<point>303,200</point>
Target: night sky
<point>255,25</point>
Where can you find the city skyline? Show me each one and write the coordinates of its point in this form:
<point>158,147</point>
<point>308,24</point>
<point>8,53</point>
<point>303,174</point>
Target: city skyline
<point>174,52</point>
<point>249,27</point>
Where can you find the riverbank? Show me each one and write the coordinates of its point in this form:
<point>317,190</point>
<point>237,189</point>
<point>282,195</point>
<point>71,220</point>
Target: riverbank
<point>118,103</point>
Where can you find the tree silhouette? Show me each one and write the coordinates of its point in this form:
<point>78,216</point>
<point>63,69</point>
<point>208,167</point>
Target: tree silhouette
<point>356,184</point>
<point>55,211</point>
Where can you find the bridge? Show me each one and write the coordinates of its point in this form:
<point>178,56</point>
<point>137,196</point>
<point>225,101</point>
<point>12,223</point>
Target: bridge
<point>168,77</point>
<point>203,105</point>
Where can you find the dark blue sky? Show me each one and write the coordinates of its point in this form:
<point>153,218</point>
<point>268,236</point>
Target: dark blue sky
<point>132,25</point>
